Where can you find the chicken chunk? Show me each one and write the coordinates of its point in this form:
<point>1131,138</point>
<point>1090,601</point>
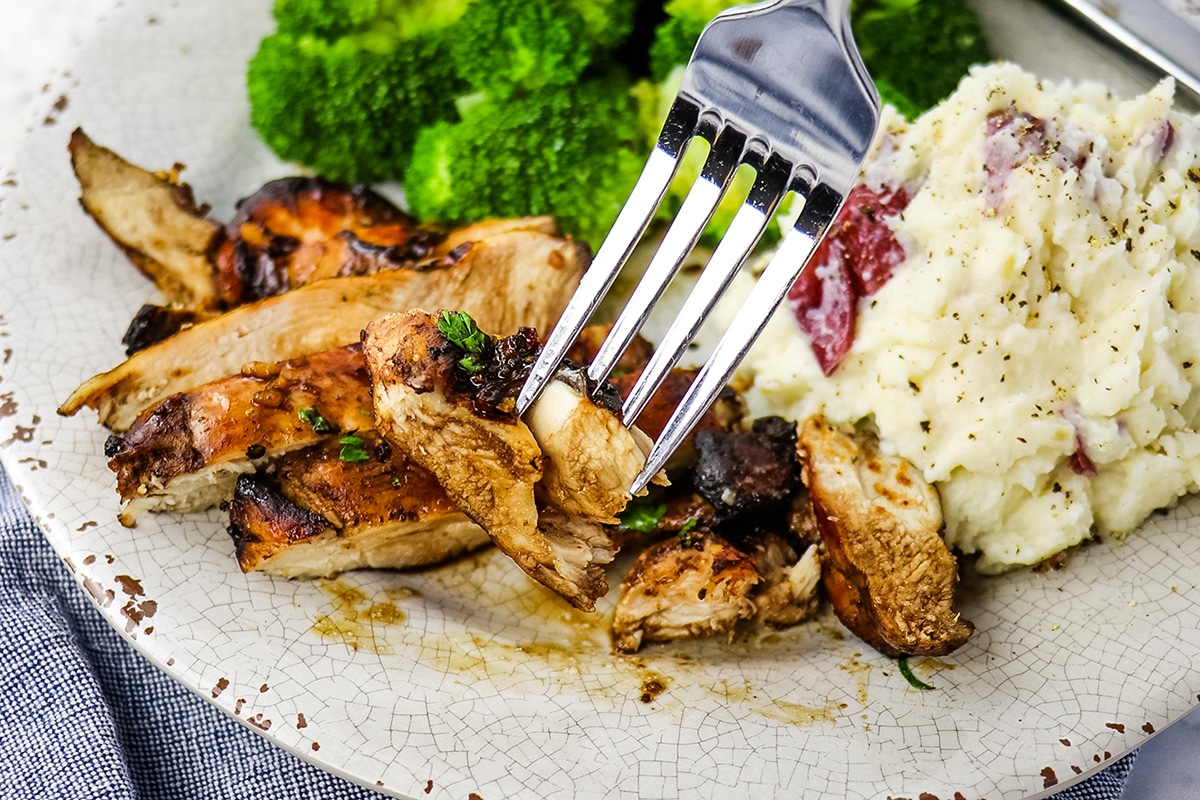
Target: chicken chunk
<point>677,590</point>
<point>888,573</point>
<point>294,231</point>
<point>590,458</point>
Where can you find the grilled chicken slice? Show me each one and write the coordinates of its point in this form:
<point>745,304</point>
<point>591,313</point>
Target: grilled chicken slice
<point>186,452</point>
<point>677,590</point>
<point>318,514</point>
<point>464,429</point>
<point>505,274</point>
<point>888,573</point>
<point>152,217</point>
<point>294,231</point>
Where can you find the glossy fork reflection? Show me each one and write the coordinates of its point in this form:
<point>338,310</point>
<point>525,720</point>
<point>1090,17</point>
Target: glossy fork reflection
<point>777,86</point>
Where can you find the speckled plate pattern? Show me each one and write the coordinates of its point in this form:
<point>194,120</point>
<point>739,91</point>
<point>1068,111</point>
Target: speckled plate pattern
<point>470,680</point>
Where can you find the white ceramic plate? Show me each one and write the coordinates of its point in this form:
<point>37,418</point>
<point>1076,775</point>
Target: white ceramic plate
<point>471,679</point>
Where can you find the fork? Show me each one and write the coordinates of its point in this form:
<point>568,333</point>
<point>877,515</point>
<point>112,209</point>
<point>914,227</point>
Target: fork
<point>778,86</point>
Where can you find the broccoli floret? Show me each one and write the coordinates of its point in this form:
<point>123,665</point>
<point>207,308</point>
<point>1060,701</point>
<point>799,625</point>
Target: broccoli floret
<point>917,49</point>
<point>502,46</point>
<point>675,38</point>
<point>506,46</point>
<point>570,151</point>
<point>342,86</point>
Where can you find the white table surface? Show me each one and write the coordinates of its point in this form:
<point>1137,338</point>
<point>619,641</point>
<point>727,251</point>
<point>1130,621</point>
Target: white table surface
<point>34,35</point>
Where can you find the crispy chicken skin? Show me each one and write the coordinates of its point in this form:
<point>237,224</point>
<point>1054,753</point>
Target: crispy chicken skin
<point>889,575</point>
<point>185,452</point>
<point>318,514</point>
<point>676,591</point>
<point>152,217</point>
<point>294,231</point>
<point>505,273</point>
<point>483,455</point>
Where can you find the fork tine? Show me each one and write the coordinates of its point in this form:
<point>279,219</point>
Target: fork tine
<point>744,232</point>
<point>631,223</point>
<point>790,259</point>
<point>695,212</point>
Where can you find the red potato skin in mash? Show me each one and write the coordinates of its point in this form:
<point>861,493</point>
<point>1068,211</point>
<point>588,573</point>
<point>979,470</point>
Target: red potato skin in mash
<point>855,260</point>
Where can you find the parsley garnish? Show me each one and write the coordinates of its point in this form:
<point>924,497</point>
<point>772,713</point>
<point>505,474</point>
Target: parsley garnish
<point>314,418</point>
<point>640,516</point>
<point>913,680</point>
<point>460,329</point>
<point>353,450</point>
<point>470,364</point>
<point>685,537</point>
<point>462,332</point>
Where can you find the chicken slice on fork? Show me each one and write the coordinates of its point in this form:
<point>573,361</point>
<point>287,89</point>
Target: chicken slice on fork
<point>449,404</point>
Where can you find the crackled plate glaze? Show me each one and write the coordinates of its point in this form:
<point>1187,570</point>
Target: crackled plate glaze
<point>471,680</point>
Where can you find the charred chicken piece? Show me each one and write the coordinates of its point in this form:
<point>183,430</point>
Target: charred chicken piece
<point>152,217</point>
<point>507,273</point>
<point>749,474</point>
<point>294,231</point>
<point>677,590</point>
<point>889,575</point>
<point>319,513</point>
<point>151,324</point>
<point>451,407</point>
<point>185,452</point>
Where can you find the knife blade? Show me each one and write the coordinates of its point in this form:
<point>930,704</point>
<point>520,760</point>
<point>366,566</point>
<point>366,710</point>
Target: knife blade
<point>1166,39</point>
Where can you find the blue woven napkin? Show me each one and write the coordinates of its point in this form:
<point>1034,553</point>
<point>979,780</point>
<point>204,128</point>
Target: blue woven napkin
<point>84,715</point>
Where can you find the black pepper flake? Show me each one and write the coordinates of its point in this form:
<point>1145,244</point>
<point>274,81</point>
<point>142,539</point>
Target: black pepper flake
<point>925,425</point>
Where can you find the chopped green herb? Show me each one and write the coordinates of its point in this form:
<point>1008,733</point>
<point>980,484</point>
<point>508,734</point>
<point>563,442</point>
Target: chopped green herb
<point>460,329</point>
<point>641,516</point>
<point>397,481</point>
<point>913,680</point>
<point>353,450</point>
<point>685,531</point>
<point>470,364</point>
<point>314,418</point>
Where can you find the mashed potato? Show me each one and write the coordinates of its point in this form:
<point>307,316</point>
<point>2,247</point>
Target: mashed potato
<point>1037,351</point>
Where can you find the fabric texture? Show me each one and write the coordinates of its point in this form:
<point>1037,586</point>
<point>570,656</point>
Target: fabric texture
<point>85,716</point>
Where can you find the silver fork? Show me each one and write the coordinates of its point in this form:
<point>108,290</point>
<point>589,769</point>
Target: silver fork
<point>778,86</point>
